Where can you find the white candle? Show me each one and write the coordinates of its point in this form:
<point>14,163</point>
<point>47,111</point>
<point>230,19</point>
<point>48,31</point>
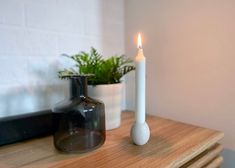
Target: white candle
<point>140,132</point>
<point>140,83</point>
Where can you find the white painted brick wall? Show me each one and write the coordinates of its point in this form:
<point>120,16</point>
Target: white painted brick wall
<point>33,35</point>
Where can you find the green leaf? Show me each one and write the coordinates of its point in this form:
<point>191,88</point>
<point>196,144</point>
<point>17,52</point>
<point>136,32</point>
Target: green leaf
<point>106,71</point>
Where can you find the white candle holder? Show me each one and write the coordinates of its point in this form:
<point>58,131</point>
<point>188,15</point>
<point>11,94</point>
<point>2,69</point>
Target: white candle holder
<point>140,133</point>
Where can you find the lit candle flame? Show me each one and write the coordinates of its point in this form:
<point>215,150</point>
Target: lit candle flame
<point>139,45</point>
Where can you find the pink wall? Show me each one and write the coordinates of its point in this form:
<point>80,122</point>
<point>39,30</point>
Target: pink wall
<point>190,52</point>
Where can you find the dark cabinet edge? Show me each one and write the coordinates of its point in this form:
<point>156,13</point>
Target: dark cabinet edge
<point>22,127</point>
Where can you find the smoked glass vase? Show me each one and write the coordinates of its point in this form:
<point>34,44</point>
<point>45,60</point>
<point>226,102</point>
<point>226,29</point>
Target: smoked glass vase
<point>79,123</point>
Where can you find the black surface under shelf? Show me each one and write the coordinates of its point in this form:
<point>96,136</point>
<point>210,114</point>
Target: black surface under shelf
<point>22,127</point>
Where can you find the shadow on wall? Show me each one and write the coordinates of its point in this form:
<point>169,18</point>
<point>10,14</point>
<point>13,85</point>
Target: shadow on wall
<point>44,90</point>
<point>23,99</point>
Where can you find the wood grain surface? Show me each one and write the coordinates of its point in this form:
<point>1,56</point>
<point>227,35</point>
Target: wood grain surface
<point>172,144</point>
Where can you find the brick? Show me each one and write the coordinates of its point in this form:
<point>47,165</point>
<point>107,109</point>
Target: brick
<point>43,70</point>
<point>113,46</point>
<point>13,71</point>
<point>29,98</point>
<point>113,11</point>
<point>54,18</point>
<point>70,44</point>
<point>11,12</point>
<point>94,23</point>
<point>74,44</point>
<point>113,30</point>
<point>40,43</point>
<point>10,100</point>
<point>16,41</point>
<point>76,5</point>
<point>11,41</point>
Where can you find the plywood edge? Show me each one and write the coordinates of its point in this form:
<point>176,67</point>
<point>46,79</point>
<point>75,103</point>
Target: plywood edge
<point>215,163</point>
<point>197,150</point>
<point>205,157</point>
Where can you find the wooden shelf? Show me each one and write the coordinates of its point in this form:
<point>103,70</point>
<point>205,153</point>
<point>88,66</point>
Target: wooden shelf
<point>172,144</point>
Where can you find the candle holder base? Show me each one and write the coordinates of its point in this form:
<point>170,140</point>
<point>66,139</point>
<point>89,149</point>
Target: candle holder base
<point>140,133</point>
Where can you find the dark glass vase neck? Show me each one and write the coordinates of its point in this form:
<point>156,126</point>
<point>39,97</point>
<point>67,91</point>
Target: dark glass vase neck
<point>78,87</point>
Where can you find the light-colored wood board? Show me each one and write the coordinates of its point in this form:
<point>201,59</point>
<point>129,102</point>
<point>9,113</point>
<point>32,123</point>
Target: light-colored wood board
<point>172,144</point>
<point>215,163</point>
<point>205,157</point>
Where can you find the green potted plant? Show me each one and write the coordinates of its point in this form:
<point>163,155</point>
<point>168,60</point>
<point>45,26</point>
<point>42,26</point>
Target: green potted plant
<point>106,82</point>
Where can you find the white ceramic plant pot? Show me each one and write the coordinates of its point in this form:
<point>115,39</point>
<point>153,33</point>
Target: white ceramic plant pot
<point>111,96</point>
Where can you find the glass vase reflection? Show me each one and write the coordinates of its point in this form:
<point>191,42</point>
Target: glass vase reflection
<point>79,123</point>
